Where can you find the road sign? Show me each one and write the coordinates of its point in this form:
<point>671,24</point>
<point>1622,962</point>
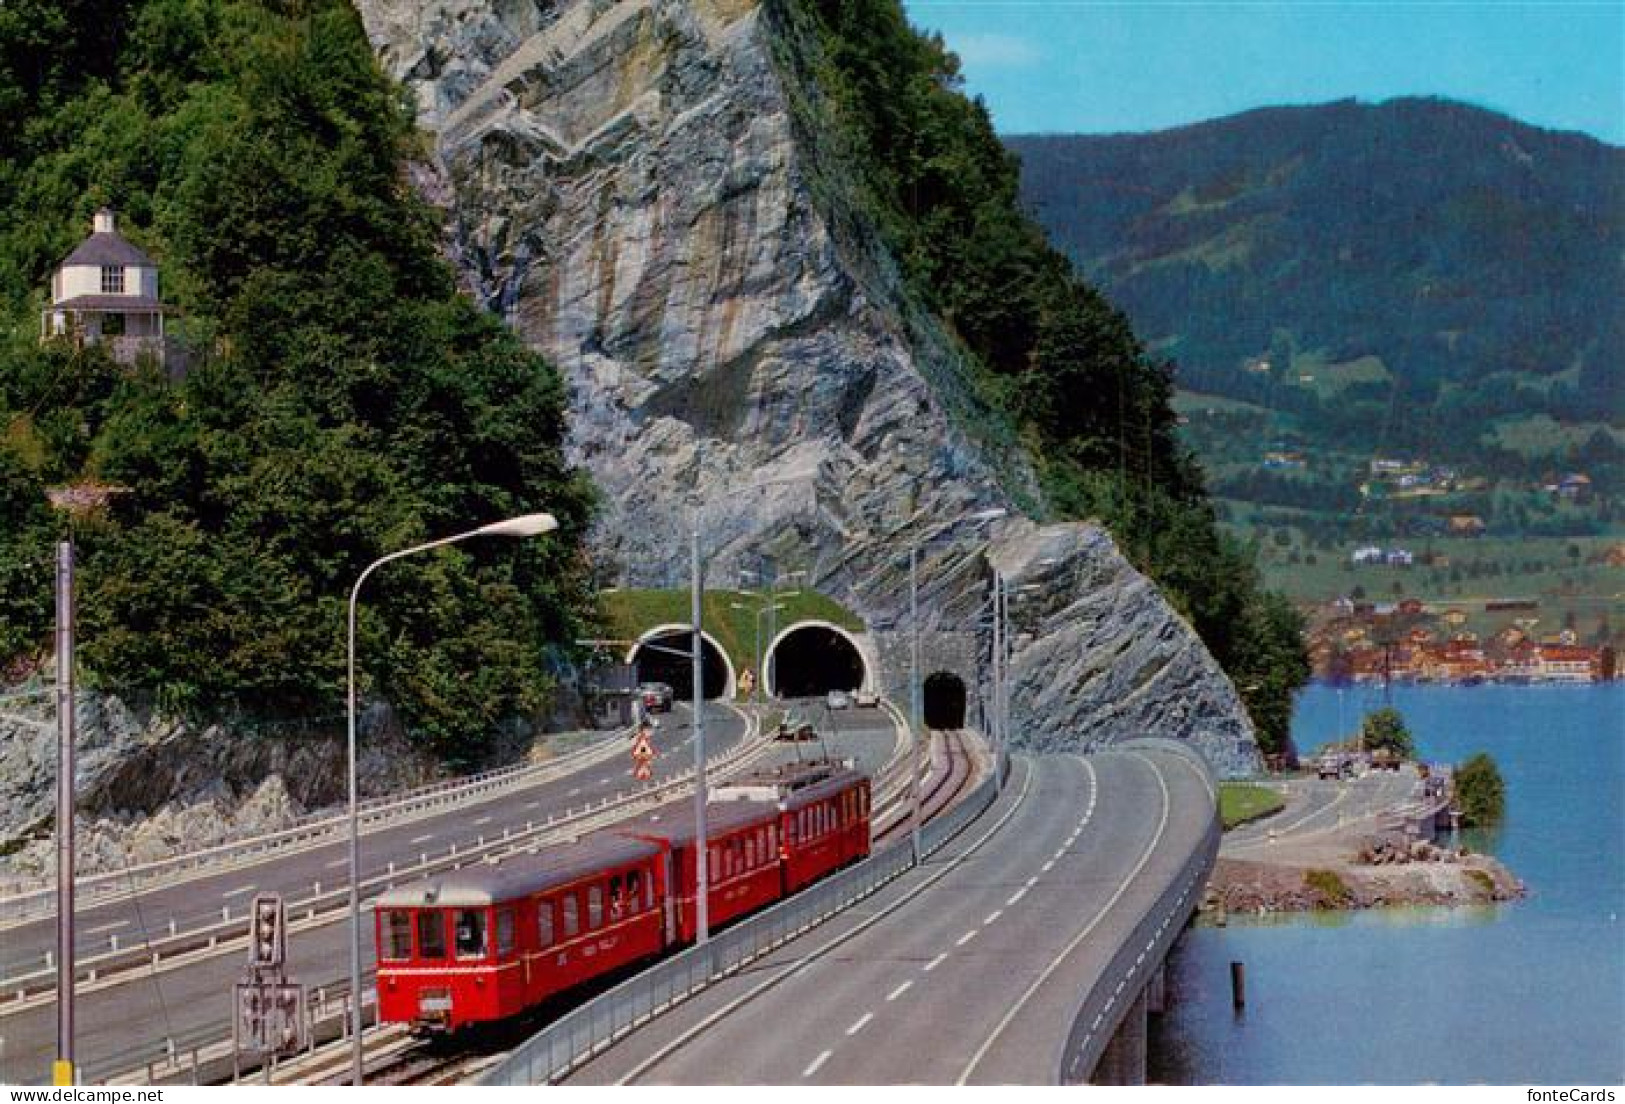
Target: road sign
<point>270,1017</point>
<point>268,932</point>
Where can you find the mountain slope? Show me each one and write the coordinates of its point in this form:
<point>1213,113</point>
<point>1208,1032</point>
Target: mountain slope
<point>1430,267</point>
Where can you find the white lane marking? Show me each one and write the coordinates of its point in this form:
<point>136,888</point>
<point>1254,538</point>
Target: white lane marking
<point>109,927</point>
<point>483,820</point>
<point>532,804</point>
<point>1049,866</point>
<point>935,962</point>
<point>812,1067</point>
<point>1016,896</point>
<point>992,916</point>
<point>423,838</point>
<point>863,1022</point>
<point>1032,881</point>
<point>900,990</point>
<point>966,938</point>
<point>573,792</point>
<point>239,889</point>
<point>1066,952</point>
<point>336,863</point>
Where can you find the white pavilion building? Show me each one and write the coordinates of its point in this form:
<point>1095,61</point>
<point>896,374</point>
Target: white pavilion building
<point>106,292</point>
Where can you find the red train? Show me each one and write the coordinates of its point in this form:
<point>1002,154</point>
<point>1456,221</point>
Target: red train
<point>485,943</point>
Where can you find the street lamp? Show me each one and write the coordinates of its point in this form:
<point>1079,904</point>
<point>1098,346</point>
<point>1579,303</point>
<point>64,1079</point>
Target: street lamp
<point>760,613</point>
<point>528,525</point>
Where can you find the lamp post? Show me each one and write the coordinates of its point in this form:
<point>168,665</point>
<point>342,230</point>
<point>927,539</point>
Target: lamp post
<point>62,1072</point>
<point>763,611</point>
<point>529,525</point>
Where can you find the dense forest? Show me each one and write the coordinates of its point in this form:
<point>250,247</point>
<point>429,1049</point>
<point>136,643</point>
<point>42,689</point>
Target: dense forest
<point>1047,350</point>
<point>1399,276</point>
<point>342,401</point>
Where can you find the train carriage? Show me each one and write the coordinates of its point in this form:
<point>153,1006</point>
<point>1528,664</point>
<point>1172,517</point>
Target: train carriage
<point>487,942</point>
<point>490,941</point>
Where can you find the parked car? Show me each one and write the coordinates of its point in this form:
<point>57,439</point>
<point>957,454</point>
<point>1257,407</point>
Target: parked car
<point>866,699</point>
<point>837,699</point>
<point>656,697</point>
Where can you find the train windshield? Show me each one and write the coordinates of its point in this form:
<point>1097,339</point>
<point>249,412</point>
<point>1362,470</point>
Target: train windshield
<point>470,924</point>
<point>431,934</point>
<point>397,934</point>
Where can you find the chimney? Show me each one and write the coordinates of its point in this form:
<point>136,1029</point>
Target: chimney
<point>103,223</point>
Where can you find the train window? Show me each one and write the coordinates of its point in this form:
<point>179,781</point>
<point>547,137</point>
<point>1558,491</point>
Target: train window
<point>750,851</point>
<point>397,934</point>
<point>617,903</point>
<point>634,888</point>
<point>431,934</point>
<point>648,892</point>
<point>713,862</point>
<point>572,914</point>
<point>595,906</point>
<point>505,932</point>
<point>470,928</point>
<point>544,924</point>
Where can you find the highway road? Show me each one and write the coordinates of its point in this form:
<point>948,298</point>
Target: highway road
<point>1321,807</point>
<point>966,969</point>
<point>186,998</point>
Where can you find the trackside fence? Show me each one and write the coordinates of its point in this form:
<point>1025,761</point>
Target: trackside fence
<point>589,1029</point>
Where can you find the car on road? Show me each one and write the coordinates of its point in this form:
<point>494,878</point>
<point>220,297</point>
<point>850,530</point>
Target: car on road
<point>837,699</point>
<point>656,697</point>
<point>866,699</point>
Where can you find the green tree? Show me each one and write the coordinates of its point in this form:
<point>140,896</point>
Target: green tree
<point>1385,728</point>
<point>1480,792</point>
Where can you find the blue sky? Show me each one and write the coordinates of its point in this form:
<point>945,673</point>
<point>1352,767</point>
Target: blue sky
<point>1095,66</point>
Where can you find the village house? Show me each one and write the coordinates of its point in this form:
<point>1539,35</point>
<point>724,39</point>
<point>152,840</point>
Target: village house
<point>1466,525</point>
<point>106,293</point>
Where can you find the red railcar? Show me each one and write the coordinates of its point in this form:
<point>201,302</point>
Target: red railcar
<point>488,942</point>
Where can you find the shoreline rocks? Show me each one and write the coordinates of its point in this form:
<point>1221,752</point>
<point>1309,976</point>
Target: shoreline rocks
<point>1382,873</point>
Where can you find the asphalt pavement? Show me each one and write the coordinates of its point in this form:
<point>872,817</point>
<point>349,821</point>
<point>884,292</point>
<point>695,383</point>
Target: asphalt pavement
<point>965,969</point>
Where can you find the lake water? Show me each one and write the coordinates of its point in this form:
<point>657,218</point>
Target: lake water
<point>1531,992</point>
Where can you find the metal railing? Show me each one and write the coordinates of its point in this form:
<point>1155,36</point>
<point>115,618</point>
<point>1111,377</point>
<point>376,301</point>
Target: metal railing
<point>308,829</point>
<point>591,1027</point>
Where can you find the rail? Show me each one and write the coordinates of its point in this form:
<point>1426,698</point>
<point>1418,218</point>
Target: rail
<point>591,1027</point>
<point>1112,996</point>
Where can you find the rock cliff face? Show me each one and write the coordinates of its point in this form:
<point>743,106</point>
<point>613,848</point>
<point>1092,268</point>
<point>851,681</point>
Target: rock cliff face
<point>149,788</point>
<point>642,190</point>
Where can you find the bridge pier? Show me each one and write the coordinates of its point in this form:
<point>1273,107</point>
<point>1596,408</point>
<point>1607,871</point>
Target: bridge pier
<point>1123,1062</point>
<point>1156,991</point>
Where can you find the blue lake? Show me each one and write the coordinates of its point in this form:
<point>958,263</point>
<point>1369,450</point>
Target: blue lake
<point>1529,992</point>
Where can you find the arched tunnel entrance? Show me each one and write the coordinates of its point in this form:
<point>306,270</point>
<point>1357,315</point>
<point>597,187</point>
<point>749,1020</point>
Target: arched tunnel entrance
<point>664,656</point>
<point>944,700</point>
<point>812,659</point>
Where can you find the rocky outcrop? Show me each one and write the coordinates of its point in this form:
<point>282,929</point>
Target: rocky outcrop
<point>150,787</point>
<point>643,191</point>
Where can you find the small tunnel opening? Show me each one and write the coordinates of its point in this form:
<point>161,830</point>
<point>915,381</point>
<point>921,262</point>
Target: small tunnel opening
<point>666,658</point>
<point>944,700</point>
<point>811,660</point>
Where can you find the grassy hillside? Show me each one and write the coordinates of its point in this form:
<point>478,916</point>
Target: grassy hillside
<point>1417,280</point>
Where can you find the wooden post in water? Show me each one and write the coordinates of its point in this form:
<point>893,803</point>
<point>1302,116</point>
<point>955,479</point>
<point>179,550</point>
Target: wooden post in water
<point>1238,984</point>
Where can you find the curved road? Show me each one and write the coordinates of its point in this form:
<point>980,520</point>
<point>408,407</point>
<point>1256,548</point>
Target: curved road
<point>967,969</point>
